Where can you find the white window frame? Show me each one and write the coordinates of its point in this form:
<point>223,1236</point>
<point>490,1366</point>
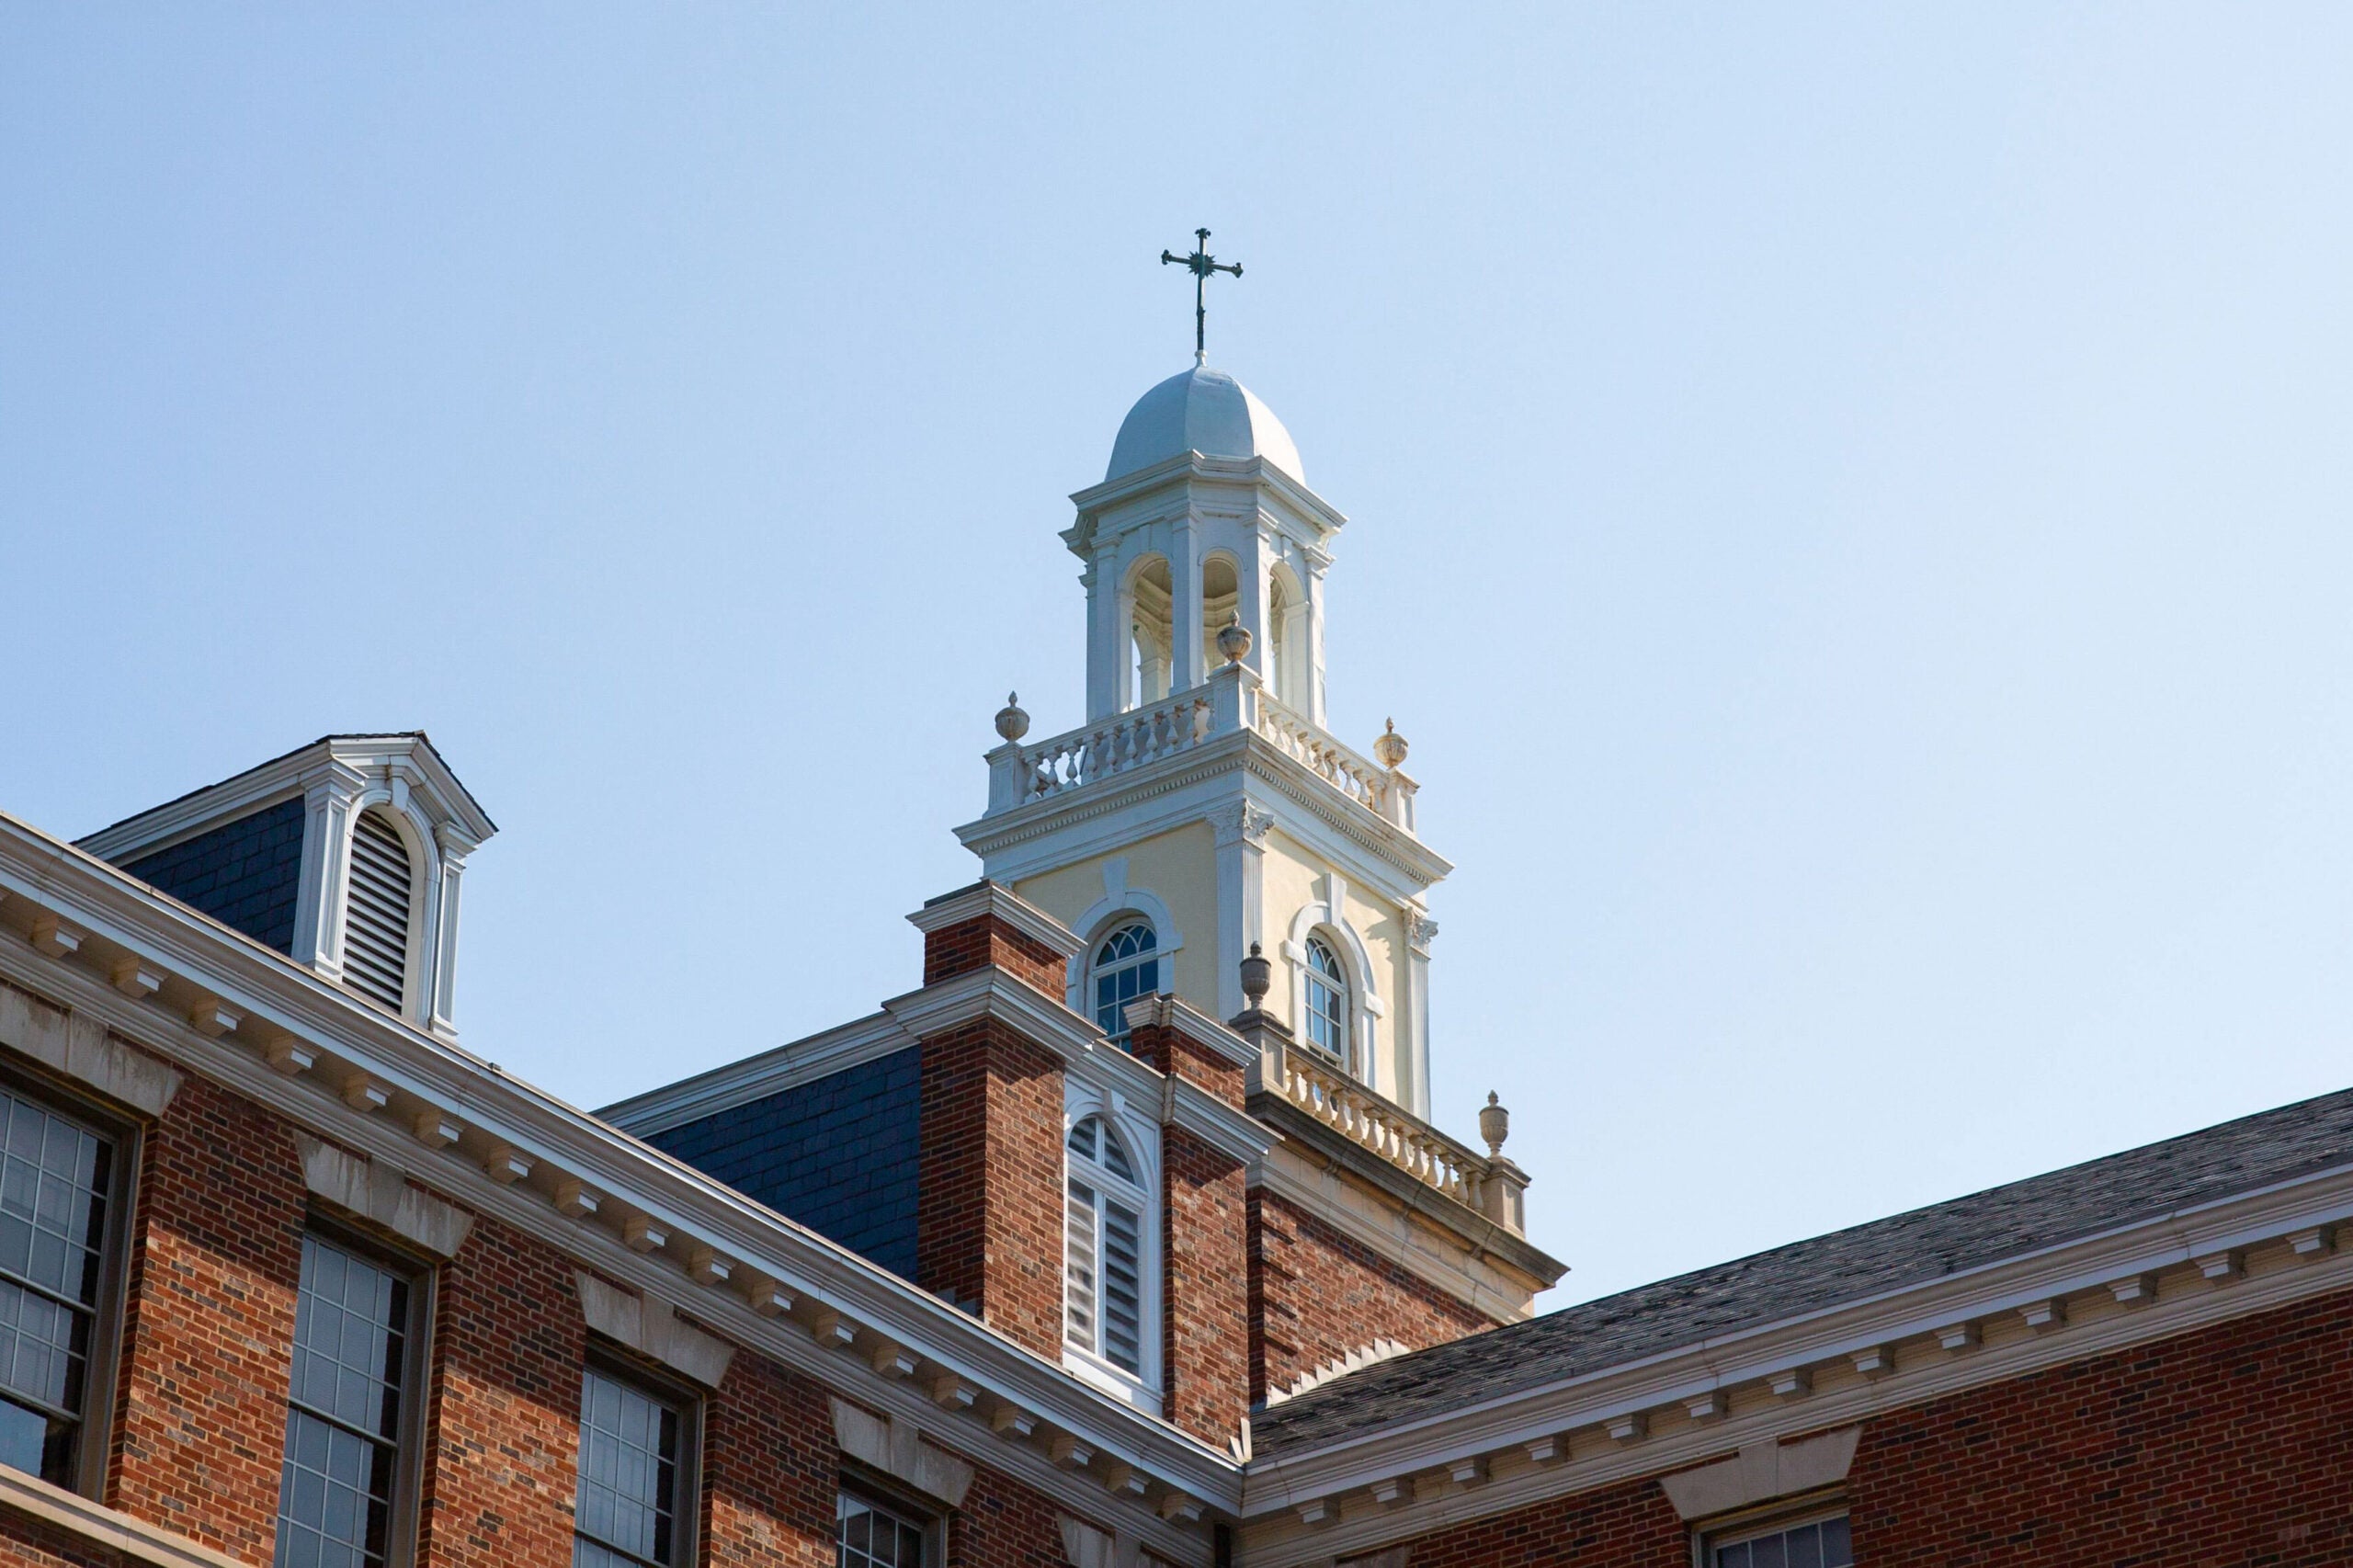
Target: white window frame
<point>1334,982</point>
<point>1326,918</point>
<point>1096,970</point>
<point>1141,1137</point>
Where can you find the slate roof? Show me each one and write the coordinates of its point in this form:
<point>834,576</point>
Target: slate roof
<point>1906,1249</point>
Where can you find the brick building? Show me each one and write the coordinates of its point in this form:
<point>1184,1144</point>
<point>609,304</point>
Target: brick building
<point>1123,1237</point>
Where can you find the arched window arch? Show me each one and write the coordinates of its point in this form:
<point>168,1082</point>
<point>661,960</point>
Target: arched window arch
<point>1104,1244</point>
<point>377,909</point>
<point>1325,1024</point>
<point>1151,606</point>
<point>1125,966</point>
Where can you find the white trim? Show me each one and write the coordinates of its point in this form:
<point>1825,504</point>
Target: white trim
<point>1365,1006</point>
<point>987,898</point>
<point>108,1529</point>
<point>1650,1392</point>
<point>490,1117</point>
<point>1139,1136</point>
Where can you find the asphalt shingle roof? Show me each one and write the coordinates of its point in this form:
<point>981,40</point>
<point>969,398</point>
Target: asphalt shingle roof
<point>1808,1276</point>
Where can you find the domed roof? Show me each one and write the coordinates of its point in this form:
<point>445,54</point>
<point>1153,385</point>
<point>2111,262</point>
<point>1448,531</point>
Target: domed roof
<point>1202,411</point>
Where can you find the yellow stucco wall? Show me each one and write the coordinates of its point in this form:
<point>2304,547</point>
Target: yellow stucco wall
<point>1179,868</point>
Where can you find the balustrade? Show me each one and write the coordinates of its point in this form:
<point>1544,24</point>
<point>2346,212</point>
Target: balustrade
<point>1370,1121</point>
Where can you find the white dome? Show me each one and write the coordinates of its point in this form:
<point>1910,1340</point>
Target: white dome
<point>1202,411</point>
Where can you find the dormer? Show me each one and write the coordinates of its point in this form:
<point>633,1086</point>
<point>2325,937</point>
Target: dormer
<point>345,855</point>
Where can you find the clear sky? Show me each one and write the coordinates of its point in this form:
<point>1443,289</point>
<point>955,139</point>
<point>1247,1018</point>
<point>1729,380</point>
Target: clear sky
<point>1850,506</point>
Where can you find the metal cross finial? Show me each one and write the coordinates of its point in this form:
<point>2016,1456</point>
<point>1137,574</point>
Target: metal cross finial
<point>1201,264</point>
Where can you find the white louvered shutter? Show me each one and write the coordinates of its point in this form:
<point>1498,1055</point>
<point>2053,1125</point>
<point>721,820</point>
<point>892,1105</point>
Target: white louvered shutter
<point>375,925</point>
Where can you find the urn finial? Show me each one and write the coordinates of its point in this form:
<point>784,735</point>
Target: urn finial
<point>1495,1126</point>
<point>1011,723</point>
<point>1234,638</point>
<point>1257,974</point>
<point>1388,747</point>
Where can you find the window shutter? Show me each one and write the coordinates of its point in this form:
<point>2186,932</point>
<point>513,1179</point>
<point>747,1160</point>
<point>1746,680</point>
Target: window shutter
<point>1122,1287</point>
<point>1078,1266</point>
<point>375,925</point>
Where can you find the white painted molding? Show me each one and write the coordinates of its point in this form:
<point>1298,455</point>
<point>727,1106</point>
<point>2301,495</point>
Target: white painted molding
<point>1761,1472</point>
<point>897,1448</point>
<point>1166,1011</point>
<point>1083,1546</point>
<point>650,1327</point>
<point>987,898</point>
<point>113,1533</point>
<point>379,1190</point>
<point>80,1048</point>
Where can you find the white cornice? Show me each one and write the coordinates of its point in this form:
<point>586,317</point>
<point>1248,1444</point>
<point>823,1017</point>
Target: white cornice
<point>356,756</point>
<point>651,1218</point>
<point>988,898</point>
<point>1900,1334</point>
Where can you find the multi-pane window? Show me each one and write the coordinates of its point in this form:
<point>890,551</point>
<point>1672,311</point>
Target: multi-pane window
<point>632,1457</point>
<point>1818,1543</point>
<point>1103,1249</point>
<point>1125,966</point>
<point>1327,1001</point>
<point>337,1495</point>
<point>868,1535</point>
<point>56,1181</point>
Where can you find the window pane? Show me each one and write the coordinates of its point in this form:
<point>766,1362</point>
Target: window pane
<point>870,1536</point>
<point>343,1429</point>
<point>629,1471</point>
<point>54,1175</point>
<point>1819,1544</point>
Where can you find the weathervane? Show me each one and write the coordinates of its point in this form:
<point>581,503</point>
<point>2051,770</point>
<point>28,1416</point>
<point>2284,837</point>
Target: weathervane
<point>1201,264</point>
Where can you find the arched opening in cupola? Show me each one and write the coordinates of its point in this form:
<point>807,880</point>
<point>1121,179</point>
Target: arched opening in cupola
<point>1221,597</point>
<point>1152,631</point>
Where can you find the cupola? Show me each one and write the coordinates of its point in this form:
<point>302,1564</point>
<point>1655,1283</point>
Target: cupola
<point>345,855</point>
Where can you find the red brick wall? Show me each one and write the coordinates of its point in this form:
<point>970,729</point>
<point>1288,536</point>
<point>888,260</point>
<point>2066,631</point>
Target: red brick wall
<point>769,1470</point>
<point>1003,1526</point>
<point>2231,1445</point>
<point>989,1206</point>
<point>209,1329</point>
<point>1631,1525</point>
<point>1315,1295</point>
<point>979,943</point>
<point>1205,1244</point>
<point>1172,1051</point>
<point>502,1425</point>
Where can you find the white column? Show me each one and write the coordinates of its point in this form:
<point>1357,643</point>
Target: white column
<point>1250,599</point>
<point>442,974</point>
<point>1187,668</point>
<point>1105,660</point>
<point>1314,661</point>
<point>1420,931</point>
<point>1241,836</point>
<point>326,869</point>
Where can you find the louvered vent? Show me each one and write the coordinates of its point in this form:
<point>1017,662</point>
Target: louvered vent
<point>375,925</point>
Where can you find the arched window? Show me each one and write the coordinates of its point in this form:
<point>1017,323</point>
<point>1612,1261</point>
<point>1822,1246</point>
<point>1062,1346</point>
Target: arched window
<point>1103,1249</point>
<point>1125,966</point>
<point>1327,1001</point>
<point>376,912</point>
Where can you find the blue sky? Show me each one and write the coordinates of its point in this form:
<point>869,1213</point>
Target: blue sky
<point>1849,504</point>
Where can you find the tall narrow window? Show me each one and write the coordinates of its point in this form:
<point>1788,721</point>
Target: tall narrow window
<point>56,1180</point>
<point>634,1458</point>
<point>1125,966</point>
<point>1103,1251</point>
<point>868,1534</point>
<point>375,927</point>
<point>1327,1001</point>
<point>340,1494</point>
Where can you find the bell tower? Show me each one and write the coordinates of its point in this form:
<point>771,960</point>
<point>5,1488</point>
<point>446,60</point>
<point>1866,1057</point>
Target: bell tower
<point>1203,808</point>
